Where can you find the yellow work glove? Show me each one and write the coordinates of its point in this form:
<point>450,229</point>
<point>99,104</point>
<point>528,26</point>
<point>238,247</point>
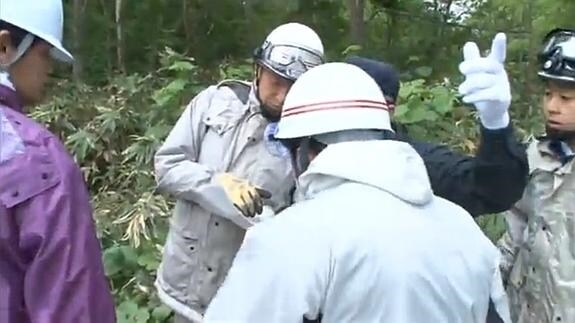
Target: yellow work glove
<point>247,198</point>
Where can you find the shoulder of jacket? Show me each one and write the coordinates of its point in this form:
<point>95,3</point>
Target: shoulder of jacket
<point>541,157</point>
<point>234,83</point>
<point>35,162</point>
<point>234,90</point>
<point>27,129</point>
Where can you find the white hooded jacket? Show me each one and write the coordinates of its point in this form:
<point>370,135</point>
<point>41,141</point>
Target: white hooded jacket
<point>369,242</point>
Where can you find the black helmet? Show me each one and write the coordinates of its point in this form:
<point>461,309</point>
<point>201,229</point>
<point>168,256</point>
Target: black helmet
<point>557,56</point>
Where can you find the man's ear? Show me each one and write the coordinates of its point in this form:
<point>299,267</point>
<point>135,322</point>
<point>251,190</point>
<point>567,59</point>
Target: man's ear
<point>6,48</point>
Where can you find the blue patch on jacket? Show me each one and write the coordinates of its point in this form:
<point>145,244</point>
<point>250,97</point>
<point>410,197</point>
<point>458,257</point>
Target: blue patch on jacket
<point>274,146</point>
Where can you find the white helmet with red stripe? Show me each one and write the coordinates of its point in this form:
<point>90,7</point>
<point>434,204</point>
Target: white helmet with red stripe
<point>332,98</point>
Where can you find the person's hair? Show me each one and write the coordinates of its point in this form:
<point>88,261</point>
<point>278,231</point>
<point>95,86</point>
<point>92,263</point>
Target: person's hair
<point>567,85</point>
<point>17,34</point>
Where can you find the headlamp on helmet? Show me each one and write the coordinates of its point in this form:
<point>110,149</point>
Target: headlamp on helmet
<point>557,57</point>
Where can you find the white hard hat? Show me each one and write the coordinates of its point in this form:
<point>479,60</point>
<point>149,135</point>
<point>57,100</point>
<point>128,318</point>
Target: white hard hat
<point>330,98</point>
<point>290,50</point>
<point>41,18</point>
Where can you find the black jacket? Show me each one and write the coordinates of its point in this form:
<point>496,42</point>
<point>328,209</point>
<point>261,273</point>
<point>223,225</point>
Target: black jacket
<point>490,182</point>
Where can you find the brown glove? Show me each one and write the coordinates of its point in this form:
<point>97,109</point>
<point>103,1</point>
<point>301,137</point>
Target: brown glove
<point>245,197</point>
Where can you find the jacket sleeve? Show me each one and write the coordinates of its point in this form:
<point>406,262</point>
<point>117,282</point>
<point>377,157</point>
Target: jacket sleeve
<point>498,298</point>
<point>269,281</point>
<point>65,279</point>
<point>178,171</point>
<point>490,182</point>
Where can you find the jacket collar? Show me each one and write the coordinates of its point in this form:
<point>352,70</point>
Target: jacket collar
<point>9,98</point>
<point>542,155</point>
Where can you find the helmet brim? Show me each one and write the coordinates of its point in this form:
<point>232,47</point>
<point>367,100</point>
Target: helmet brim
<point>552,77</point>
<point>60,53</point>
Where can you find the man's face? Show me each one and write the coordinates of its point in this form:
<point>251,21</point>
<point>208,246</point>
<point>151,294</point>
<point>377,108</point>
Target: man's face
<point>559,109</point>
<point>30,73</point>
<point>272,91</point>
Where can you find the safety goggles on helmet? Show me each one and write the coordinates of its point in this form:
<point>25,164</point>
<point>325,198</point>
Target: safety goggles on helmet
<point>288,61</point>
<point>558,55</point>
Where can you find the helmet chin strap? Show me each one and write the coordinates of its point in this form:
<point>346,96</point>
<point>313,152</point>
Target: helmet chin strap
<point>25,44</point>
<point>302,158</point>
<point>20,50</point>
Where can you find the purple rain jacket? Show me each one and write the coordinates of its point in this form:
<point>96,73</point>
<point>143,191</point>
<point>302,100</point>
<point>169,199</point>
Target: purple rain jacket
<point>50,257</point>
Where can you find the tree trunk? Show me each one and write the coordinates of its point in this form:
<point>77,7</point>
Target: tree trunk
<point>187,26</point>
<point>531,69</point>
<point>119,38</point>
<point>445,16</point>
<point>356,10</point>
<point>79,10</point>
<point>109,45</point>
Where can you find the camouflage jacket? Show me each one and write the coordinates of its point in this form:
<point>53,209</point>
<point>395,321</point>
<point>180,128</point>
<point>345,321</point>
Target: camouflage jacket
<point>539,245</point>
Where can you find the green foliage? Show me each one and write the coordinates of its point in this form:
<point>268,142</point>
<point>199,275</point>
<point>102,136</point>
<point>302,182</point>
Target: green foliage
<point>493,226</point>
<point>432,112</point>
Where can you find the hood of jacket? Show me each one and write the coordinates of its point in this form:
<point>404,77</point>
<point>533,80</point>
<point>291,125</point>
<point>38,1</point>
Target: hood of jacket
<point>389,165</point>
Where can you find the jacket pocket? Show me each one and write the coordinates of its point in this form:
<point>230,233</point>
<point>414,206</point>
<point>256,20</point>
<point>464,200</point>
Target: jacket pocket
<point>26,176</point>
<point>181,251</point>
<point>178,261</point>
<point>217,124</point>
<point>221,116</point>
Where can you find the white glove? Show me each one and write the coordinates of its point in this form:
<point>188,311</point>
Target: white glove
<point>486,84</point>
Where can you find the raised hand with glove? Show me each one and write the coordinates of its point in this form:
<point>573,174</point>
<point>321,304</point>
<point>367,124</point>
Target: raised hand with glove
<point>486,84</point>
<point>247,198</point>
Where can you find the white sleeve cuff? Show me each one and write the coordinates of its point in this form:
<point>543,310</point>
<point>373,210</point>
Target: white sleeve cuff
<point>494,124</point>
